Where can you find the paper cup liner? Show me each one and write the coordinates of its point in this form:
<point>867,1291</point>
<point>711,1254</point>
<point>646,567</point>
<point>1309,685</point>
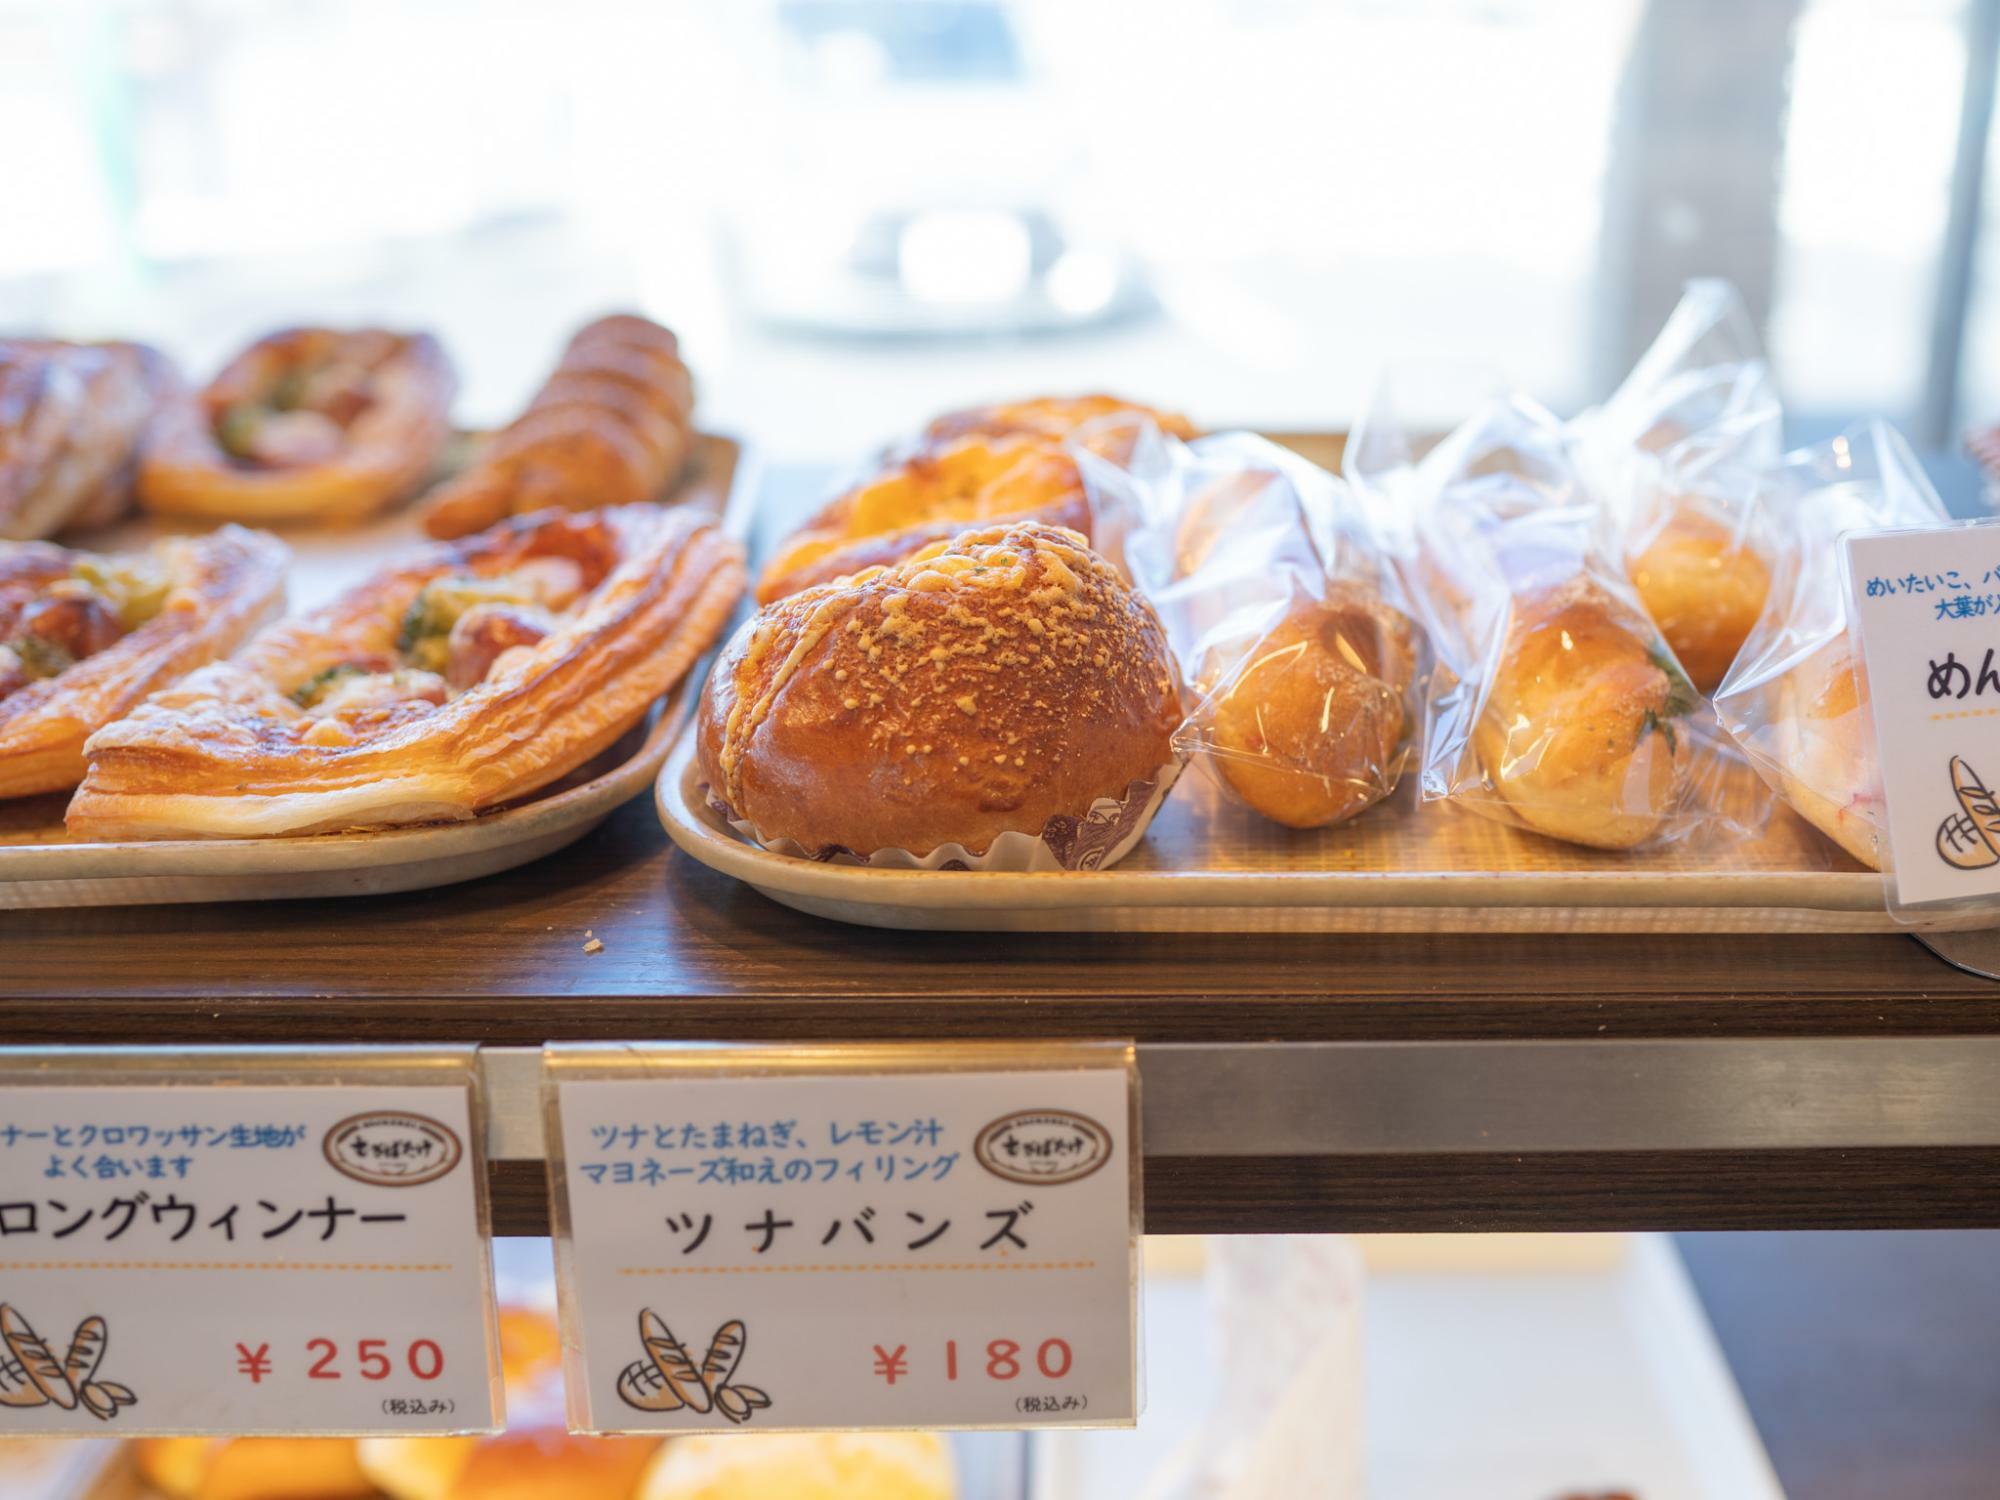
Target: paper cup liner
<point>1097,840</point>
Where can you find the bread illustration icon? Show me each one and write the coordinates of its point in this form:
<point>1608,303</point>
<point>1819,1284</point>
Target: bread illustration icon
<point>667,1379</point>
<point>31,1375</point>
<point>1970,839</point>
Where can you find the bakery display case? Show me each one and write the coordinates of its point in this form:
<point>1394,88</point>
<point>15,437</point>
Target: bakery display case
<point>888,538</point>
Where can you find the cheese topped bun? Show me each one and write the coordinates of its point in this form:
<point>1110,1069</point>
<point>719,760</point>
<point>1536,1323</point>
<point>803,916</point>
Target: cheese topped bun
<point>984,685</point>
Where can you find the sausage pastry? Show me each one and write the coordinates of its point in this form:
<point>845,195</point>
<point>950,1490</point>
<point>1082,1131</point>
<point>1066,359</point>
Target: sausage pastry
<point>469,675</point>
<point>310,424</point>
<point>72,417</point>
<point>84,638</point>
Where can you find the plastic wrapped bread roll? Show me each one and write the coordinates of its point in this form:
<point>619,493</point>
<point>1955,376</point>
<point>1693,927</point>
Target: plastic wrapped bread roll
<point>1556,704</point>
<point>1675,456</point>
<point>1300,664</point>
<point>1797,698</point>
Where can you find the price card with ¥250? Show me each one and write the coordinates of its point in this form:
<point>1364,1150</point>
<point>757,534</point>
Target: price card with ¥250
<point>872,1236</point>
<point>243,1242</point>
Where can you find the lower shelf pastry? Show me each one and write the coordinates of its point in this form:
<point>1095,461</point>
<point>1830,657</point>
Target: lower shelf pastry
<point>613,425</point>
<point>84,637</point>
<point>988,685</point>
<point>803,1466</point>
<point>470,675</point>
<point>1052,418</point>
<point>72,417</point>
<point>311,424</point>
<point>1827,767</point>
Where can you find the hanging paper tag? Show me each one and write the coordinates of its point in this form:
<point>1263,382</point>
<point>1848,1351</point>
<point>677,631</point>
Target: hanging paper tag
<point>243,1243</point>
<point>846,1237</point>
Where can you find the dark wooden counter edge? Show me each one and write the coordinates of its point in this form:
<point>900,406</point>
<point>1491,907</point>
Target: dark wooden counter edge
<point>1957,1188</point>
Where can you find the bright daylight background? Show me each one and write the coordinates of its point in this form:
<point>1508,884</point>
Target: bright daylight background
<point>860,211</point>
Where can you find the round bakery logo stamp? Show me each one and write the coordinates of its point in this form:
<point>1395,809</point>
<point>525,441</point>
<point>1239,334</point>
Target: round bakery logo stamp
<point>392,1148</point>
<point>1043,1147</point>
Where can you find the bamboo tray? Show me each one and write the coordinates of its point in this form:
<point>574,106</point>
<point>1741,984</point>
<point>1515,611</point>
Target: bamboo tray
<point>40,866</point>
<point>1207,865</point>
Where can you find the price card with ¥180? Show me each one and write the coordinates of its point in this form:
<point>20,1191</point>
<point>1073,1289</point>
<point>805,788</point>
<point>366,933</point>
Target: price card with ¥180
<point>771,1238</point>
<point>243,1243</point>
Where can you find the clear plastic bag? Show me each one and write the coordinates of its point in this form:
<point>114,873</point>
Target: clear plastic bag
<point>1301,663</point>
<point>1676,456</point>
<point>1796,700</point>
<point>1555,704</point>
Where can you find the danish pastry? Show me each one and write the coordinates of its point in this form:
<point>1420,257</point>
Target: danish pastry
<point>72,417</point>
<point>470,675</point>
<point>1053,419</point>
<point>311,424</point>
<point>983,685</point>
<point>1310,730</point>
<point>613,425</point>
<point>928,498</point>
<point>1580,732</point>
<point>84,638</point>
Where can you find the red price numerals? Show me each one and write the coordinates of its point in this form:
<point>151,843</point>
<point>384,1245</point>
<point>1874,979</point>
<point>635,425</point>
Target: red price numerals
<point>373,1361</point>
<point>1007,1360</point>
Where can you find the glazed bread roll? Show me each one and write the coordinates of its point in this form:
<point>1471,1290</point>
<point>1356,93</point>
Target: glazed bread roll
<point>803,1466</point>
<point>925,499</point>
<point>1580,731</point>
<point>613,425</point>
<point>1310,730</point>
<point>1704,586</point>
<point>1826,758</point>
<point>72,417</point>
<point>253,1468</point>
<point>311,424</point>
<point>984,685</point>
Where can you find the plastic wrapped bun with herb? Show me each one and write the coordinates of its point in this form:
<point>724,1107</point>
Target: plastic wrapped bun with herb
<point>1299,660</point>
<point>1555,705</point>
<point>1797,698</point>
<point>1676,455</point>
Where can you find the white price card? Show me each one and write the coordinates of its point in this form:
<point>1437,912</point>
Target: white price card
<point>770,1238</point>
<point>1928,603</point>
<point>243,1242</point>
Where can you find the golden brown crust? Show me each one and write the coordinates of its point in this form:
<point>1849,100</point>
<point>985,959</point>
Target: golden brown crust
<point>1704,586</point>
<point>540,1462</point>
<point>254,1468</point>
<point>613,425</point>
<point>72,417</point>
<point>378,405</point>
<point>1311,729</point>
<point>803,1466</point>
<point>985,684</point>
<point>221,588</point>
<point>1827,764</point>
<point>924,498</point>
<point>1054,418</point>
<point>225,753</point>
<point>1581,732</point>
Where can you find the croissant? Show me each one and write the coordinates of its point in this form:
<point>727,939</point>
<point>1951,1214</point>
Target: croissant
<point>310,424</point>
<point>612,426</point>
<point>1580,731</point>
<point>927,498</point>
<point>72,417</point>
<point>468,675</point>
<point>84,638</point>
